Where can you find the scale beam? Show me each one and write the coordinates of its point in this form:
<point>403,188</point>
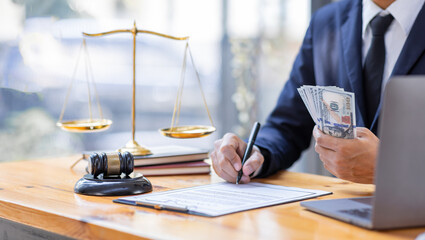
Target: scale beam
<point>132,146</point>
<point>131,31</point>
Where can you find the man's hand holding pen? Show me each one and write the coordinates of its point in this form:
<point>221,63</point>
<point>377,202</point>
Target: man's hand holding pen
<point>227,158</point>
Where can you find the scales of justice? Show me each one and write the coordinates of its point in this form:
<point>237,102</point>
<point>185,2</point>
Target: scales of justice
<point>100,124</point>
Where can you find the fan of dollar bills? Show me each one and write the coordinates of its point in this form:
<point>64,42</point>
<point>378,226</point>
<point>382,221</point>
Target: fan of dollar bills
<point>332,109</point>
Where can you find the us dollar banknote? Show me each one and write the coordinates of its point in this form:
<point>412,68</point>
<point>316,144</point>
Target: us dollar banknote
<point>332,109</point>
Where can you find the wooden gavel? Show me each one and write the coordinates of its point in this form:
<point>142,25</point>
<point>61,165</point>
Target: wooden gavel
<point>111,164</point>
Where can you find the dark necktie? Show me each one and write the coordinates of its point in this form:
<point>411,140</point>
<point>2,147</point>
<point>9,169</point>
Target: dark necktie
<point>373,69</point>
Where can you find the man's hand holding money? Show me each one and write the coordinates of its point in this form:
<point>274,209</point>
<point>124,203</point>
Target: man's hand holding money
<point>348,159</point>
<point>346,151</point>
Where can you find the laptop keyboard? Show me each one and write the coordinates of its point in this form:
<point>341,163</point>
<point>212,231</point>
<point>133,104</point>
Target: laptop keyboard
<point>360,212</point>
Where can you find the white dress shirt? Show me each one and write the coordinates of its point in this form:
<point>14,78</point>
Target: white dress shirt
<point>404,13</point>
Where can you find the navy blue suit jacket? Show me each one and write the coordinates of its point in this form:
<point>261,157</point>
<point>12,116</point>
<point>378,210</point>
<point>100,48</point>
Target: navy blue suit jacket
<point>331,55</point>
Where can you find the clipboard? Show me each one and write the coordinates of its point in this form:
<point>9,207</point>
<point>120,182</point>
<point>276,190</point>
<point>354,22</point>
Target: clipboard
<point>220,199</point>
<point>160,207</point>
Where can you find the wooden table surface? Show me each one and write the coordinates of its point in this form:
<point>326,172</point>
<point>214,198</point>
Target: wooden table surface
<point>40,194</point>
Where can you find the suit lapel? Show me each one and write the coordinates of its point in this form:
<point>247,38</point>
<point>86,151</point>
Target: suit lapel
<point>413,47</point>
<point>351,44</point>
<point>412,50</point>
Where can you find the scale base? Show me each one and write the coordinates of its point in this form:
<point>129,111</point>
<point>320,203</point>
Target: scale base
<point>134,148</point>
<point>88,185</point>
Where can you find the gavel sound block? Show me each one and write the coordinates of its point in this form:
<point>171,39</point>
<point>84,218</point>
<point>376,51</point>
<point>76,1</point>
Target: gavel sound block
<point>109,176</point>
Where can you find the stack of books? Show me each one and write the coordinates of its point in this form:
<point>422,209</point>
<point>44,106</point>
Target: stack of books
<point>171,160</point>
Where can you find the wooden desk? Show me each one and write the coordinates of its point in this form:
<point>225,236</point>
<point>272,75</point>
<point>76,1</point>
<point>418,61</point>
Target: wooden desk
<point>40,194</point>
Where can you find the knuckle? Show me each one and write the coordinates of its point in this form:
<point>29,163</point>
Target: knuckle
<point>229,136</point>
<point>226,149</point>
<point>319,140</point>
<point>217,143</point>
<point>337,161</point>
<point>232,138</point>
<point>258,159</point>
<point>253,164</point>
<point>316,147</point>
<point>217,170</point>
<point>222,164</point>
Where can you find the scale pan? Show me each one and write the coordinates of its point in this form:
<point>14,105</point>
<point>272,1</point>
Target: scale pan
<point>187,131</point>
<point>85,125</point>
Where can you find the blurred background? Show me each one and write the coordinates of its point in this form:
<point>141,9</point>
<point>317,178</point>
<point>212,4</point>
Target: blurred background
<point>242,49</point>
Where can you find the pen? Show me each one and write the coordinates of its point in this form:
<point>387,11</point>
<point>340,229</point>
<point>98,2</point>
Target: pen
<point>248,149</point>
<point>162,206</point>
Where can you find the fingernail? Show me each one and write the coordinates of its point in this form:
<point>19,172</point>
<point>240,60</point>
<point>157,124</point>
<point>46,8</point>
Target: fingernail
<point>236,166</point>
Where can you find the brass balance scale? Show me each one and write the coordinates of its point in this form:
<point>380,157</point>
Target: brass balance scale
<point>100,124</point>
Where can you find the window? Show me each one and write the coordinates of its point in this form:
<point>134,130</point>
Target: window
<point>242,49</point>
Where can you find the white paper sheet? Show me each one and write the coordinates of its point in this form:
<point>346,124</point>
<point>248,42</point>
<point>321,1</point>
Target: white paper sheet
<point>222,198</point>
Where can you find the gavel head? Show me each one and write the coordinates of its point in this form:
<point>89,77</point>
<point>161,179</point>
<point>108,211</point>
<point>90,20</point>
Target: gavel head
<point>111,164</point>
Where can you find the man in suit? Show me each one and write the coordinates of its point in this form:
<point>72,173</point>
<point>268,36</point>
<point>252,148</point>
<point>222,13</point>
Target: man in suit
<point>353,44</point>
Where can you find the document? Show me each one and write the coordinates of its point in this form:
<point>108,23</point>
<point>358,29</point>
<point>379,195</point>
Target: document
<point>221,198</point>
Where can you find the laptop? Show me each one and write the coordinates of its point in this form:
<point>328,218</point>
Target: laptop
<point>399,199</point>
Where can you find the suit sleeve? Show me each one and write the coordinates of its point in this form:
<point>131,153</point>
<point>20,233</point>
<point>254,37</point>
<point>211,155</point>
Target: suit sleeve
<point>288,128</point>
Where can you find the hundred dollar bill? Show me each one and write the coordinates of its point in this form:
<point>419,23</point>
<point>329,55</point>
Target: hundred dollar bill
<point>331,108</point>
<point>337,112</point>
<point>310,93</point>
<point>305,99</point>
